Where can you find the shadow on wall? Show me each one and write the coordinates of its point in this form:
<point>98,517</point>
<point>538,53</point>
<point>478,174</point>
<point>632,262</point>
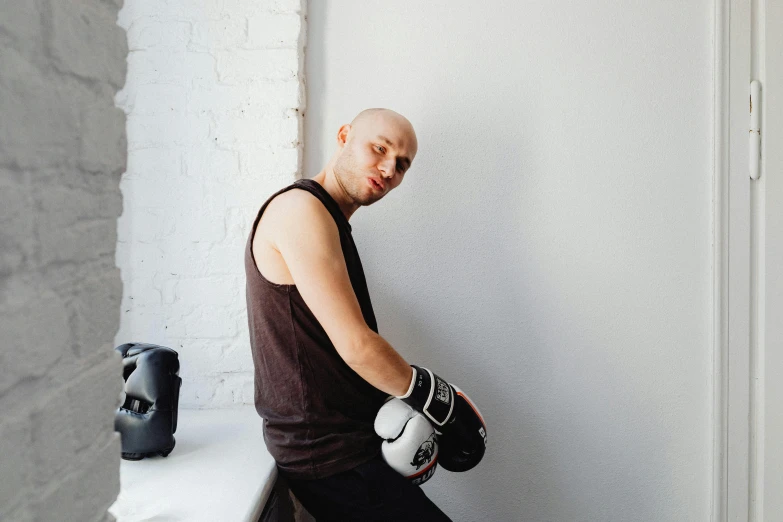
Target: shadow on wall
<point>465,295</point>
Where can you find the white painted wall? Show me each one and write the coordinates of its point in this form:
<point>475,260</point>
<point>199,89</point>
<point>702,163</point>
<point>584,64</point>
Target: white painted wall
<point>212,98</point>
<point>549,251</point>
<point>62,151</point>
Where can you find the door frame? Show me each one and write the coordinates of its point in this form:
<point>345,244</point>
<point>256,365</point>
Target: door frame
<point>732,342</point>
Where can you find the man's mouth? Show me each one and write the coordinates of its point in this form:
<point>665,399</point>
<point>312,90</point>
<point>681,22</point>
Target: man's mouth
<point>374,184</point>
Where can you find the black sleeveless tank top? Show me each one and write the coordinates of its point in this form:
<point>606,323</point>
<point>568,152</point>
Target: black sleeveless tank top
<point>318,413</point>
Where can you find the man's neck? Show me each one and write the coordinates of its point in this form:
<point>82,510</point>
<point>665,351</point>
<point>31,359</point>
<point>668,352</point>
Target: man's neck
<point>329,182</point>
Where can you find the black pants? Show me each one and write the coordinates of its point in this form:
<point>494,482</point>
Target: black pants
<point>370,492</point>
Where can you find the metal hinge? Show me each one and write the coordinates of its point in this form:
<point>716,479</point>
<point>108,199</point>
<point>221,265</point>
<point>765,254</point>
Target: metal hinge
<point>755,130</point>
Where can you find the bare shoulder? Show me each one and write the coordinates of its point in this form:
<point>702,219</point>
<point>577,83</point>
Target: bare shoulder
<point>296,208</point>
<point>295,215</point>
<point>296,199</point>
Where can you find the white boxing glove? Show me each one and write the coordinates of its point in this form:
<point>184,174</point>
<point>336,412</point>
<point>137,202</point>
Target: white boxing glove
<point>410,446</point>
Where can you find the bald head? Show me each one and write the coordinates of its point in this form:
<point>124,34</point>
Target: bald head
<point>375,120</point>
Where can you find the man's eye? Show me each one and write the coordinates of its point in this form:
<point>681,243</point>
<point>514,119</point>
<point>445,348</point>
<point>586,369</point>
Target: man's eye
<point>380,149</point>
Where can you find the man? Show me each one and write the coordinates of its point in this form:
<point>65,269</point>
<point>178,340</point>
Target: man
<point>321,370</point>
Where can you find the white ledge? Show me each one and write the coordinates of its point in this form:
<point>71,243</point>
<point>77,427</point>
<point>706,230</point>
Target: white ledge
<point>219,470</point>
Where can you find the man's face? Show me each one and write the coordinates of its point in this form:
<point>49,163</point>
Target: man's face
<point>376,151</point>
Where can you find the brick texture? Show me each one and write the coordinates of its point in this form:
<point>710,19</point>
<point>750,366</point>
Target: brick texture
<point>214,103</point>
<point>62,151</point>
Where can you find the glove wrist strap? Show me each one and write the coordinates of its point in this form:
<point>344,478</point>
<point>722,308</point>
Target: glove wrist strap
<point>431,395</point>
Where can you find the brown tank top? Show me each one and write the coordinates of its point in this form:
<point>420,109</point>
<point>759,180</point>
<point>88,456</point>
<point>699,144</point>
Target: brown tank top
<point>318,413</point>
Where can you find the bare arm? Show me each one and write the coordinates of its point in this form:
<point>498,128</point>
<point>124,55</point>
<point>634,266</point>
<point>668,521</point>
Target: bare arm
<point>308,240</point>
<point>380,365</point>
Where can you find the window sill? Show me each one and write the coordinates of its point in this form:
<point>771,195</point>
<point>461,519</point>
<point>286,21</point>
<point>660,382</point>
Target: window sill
<point>219,470</point>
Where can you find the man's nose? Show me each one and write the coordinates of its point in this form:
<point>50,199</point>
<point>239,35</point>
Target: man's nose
<point>387,167</point>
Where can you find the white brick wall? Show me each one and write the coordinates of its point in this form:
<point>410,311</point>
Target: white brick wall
<point>62,151</point>
<point>214,101</point>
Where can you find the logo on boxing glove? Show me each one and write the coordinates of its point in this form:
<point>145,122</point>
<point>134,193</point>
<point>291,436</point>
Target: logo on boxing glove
<point>443,394</point>
<point>425,453</point>
<point>421,479</point>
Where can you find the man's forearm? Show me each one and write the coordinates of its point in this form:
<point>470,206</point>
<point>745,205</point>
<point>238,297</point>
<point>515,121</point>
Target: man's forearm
<point>378,363</point>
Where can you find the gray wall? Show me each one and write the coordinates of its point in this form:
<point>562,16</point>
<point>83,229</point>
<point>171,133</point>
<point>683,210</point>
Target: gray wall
<point>549,250</point>
<point>62,151</point>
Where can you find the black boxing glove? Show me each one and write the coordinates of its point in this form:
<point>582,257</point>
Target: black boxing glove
<point>464,438</point>
<point>461,428</point>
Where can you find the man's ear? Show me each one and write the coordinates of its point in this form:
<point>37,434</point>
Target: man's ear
<point>342,134</point>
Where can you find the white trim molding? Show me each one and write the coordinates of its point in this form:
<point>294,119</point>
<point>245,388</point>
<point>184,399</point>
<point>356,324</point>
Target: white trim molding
<point>720,272</point>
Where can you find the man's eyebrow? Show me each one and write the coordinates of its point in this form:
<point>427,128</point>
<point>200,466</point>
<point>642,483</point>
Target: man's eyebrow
<point>387,140</point>
<point>390,144</point>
